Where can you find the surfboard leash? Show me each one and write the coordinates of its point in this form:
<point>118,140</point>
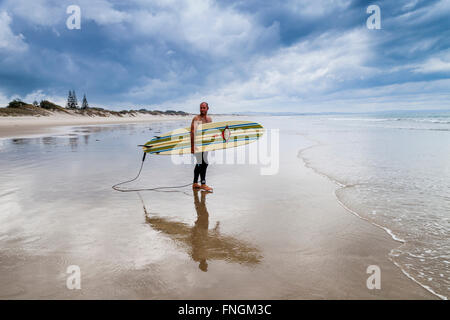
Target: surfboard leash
<point>116,186</point>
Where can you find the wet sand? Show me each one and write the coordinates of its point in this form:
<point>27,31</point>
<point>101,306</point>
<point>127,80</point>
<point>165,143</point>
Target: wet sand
<point>15,127</point>
<point>281,236</point>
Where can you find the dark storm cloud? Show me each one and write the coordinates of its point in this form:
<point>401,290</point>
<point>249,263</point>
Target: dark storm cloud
<point>140,53</point>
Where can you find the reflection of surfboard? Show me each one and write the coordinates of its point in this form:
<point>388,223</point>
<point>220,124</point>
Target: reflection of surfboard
<point>209,136</point>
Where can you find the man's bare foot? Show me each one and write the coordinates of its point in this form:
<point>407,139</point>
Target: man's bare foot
<point>195,186</point>
<point>204,187</point>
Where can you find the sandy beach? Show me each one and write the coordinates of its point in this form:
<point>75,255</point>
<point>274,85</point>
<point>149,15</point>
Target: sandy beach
<point>281,236</point>
<point>31,125</point>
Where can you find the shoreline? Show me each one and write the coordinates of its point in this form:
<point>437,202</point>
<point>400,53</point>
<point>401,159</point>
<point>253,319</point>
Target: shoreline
<point>388,231</point>
<point>395,238</point>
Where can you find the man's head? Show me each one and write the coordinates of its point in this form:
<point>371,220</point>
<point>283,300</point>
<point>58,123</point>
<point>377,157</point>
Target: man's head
<point>204,108</point>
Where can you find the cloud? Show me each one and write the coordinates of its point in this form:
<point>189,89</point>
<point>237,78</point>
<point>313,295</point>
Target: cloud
<point>37,12</point>
<point>37,95</point>
<point>307,70</point>
<point>3,100</point>
<point>439,63</point>
<point>292,55</point>
<point>200,26</point>
<point>9,42</point>
<point>47,13</point>
<point>425,14</point>
<point>314,66</point>
<point>40,95</point>
<point>103,12</point>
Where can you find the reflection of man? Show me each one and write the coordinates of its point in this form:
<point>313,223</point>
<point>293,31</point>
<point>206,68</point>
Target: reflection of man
<point>204,244</point>
<point>201,157</point>
<point>200,232</point>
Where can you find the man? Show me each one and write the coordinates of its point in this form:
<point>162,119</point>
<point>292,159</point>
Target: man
<point>201,157</point>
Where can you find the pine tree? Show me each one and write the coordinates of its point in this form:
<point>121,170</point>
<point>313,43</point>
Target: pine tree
<point>69,100</point>
<point>75,101</point>
<point>85,104</point>
<point>72,102</point>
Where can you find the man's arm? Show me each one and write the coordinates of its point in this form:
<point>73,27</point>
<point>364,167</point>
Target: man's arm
<point>193,129</point>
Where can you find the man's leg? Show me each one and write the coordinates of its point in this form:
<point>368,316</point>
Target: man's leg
<point>197,168</point>
<point>203,168</point>
<point>196,173</point>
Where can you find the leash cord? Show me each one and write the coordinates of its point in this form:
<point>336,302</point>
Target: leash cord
<point>116,186</point>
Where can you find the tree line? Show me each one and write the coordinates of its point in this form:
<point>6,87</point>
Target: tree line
<point>19,106</point>
<point>72,102</point>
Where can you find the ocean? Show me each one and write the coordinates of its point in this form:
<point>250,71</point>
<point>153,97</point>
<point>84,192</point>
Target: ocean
<point>392,169</point>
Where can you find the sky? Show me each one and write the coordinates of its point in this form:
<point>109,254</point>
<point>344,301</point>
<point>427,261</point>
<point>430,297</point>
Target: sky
<point>242,55</point>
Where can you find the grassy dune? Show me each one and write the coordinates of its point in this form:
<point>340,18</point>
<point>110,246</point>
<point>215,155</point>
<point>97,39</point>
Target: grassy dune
<point>46,108</point>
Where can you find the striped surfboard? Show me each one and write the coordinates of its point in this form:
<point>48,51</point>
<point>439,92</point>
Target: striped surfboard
<point>208,137</point>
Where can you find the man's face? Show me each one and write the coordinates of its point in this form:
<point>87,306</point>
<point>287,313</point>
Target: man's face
<point>203,108</point>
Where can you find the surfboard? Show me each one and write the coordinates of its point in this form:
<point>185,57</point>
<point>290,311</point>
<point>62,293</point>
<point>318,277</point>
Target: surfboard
<point>208,137</point>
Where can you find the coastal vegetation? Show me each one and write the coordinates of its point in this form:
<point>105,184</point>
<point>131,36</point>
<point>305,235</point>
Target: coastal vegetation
<point>46,108</point>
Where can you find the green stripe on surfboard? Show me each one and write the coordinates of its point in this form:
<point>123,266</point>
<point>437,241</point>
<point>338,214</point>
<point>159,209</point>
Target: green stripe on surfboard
<point>201,138</point>
<point>186,144</point>
<point>169,137</point>
<point>209,137</point>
